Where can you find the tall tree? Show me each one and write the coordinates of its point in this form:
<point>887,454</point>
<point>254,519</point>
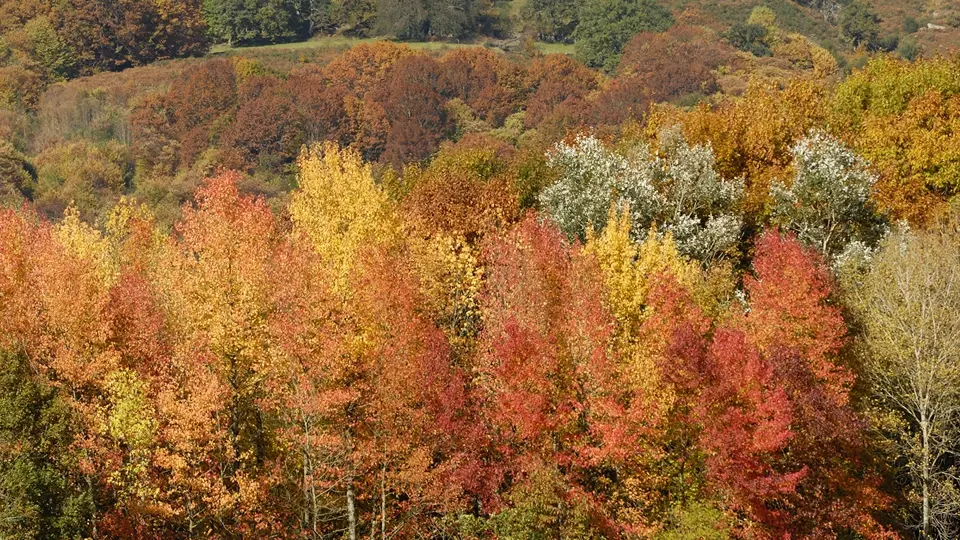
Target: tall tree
<point>909,305</point>
<point>218,280</point>
<point>547,371</point>
<point>800,332</point>
<point>413,103</point>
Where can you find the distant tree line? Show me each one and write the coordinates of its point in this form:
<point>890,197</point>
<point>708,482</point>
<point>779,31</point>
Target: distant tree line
<point>601,28</point>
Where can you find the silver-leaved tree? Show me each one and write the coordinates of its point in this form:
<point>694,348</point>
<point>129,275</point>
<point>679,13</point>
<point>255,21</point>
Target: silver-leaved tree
<point>677,191</point>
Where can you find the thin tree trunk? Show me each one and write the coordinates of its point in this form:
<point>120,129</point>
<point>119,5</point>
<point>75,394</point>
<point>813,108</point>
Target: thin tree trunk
<point>94,533</point>
<point>383,501</point>
<point>351,510</point>
<point>925,476</point>
<point>306,492</point>
<point>313,504</point>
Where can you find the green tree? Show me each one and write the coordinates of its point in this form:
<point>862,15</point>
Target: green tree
<point>421,19</point>
<point>607,25</point>
<point>39,497</point>
<point>541,506</point>
<point>89,176</point>
<point>860,26</point>
<point>403,19</point>
<point>696,520</point>
<point>351,17</point>
<point>245,21</point>
<point>909,48</point>
<point>551,20</point>
<point>749,37</point>
<point>55,58</point>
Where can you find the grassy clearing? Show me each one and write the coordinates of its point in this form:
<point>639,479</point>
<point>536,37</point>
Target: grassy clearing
<point>556,48</point>
<point>341,42</point>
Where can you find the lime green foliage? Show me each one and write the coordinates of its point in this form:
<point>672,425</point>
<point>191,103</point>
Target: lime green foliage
<point>886,87</point>
<point>543,507</point>
<point>53,56</point>
<point>764,16</point>
<point>696,522</point>
<point>90,176</point>
<point>130,423</point>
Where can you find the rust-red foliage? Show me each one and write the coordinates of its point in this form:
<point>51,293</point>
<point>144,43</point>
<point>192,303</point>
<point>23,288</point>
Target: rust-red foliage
<point>556,80</point>
<point>491,85</point>
<point>203,93</point>
<point>265,130</point>
<point>412,101</point>
<point>674,63</point>
<point>546,373</point>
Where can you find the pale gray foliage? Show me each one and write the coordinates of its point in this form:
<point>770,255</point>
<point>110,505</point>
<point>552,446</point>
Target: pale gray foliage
<point>679,192</point>
<point>828,205</point>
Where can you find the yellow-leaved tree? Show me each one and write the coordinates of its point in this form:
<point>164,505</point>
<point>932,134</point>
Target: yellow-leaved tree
<point>904,118</point>
<point>654,479</point>
<point>450,279</point>
<point>341,209</point>
<point>629,271</point>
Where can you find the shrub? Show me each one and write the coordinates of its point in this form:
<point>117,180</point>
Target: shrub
<point>751,38</point>
<point>90,177</point>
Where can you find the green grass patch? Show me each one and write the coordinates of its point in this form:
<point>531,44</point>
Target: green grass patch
<point>342,42</point>
<point>556,48</point>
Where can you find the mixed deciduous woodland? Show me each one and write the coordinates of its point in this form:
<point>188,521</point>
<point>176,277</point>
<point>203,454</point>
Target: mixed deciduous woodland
<point>695,276</point>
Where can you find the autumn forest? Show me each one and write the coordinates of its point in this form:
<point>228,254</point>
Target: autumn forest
<point>480,269</point>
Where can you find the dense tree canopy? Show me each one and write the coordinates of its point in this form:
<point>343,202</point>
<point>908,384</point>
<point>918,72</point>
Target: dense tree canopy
<point>237,21</point>
<point>607,25</point>
<point>470,292</point>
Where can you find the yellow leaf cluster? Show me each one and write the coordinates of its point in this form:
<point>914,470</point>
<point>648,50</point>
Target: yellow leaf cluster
<point>86,243</point>
<point>130,420</point>
<point>629,272</point>
<point>450,280</point>
<point>629,269</point>
<point>341,210</point>
<point>904,118</point>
